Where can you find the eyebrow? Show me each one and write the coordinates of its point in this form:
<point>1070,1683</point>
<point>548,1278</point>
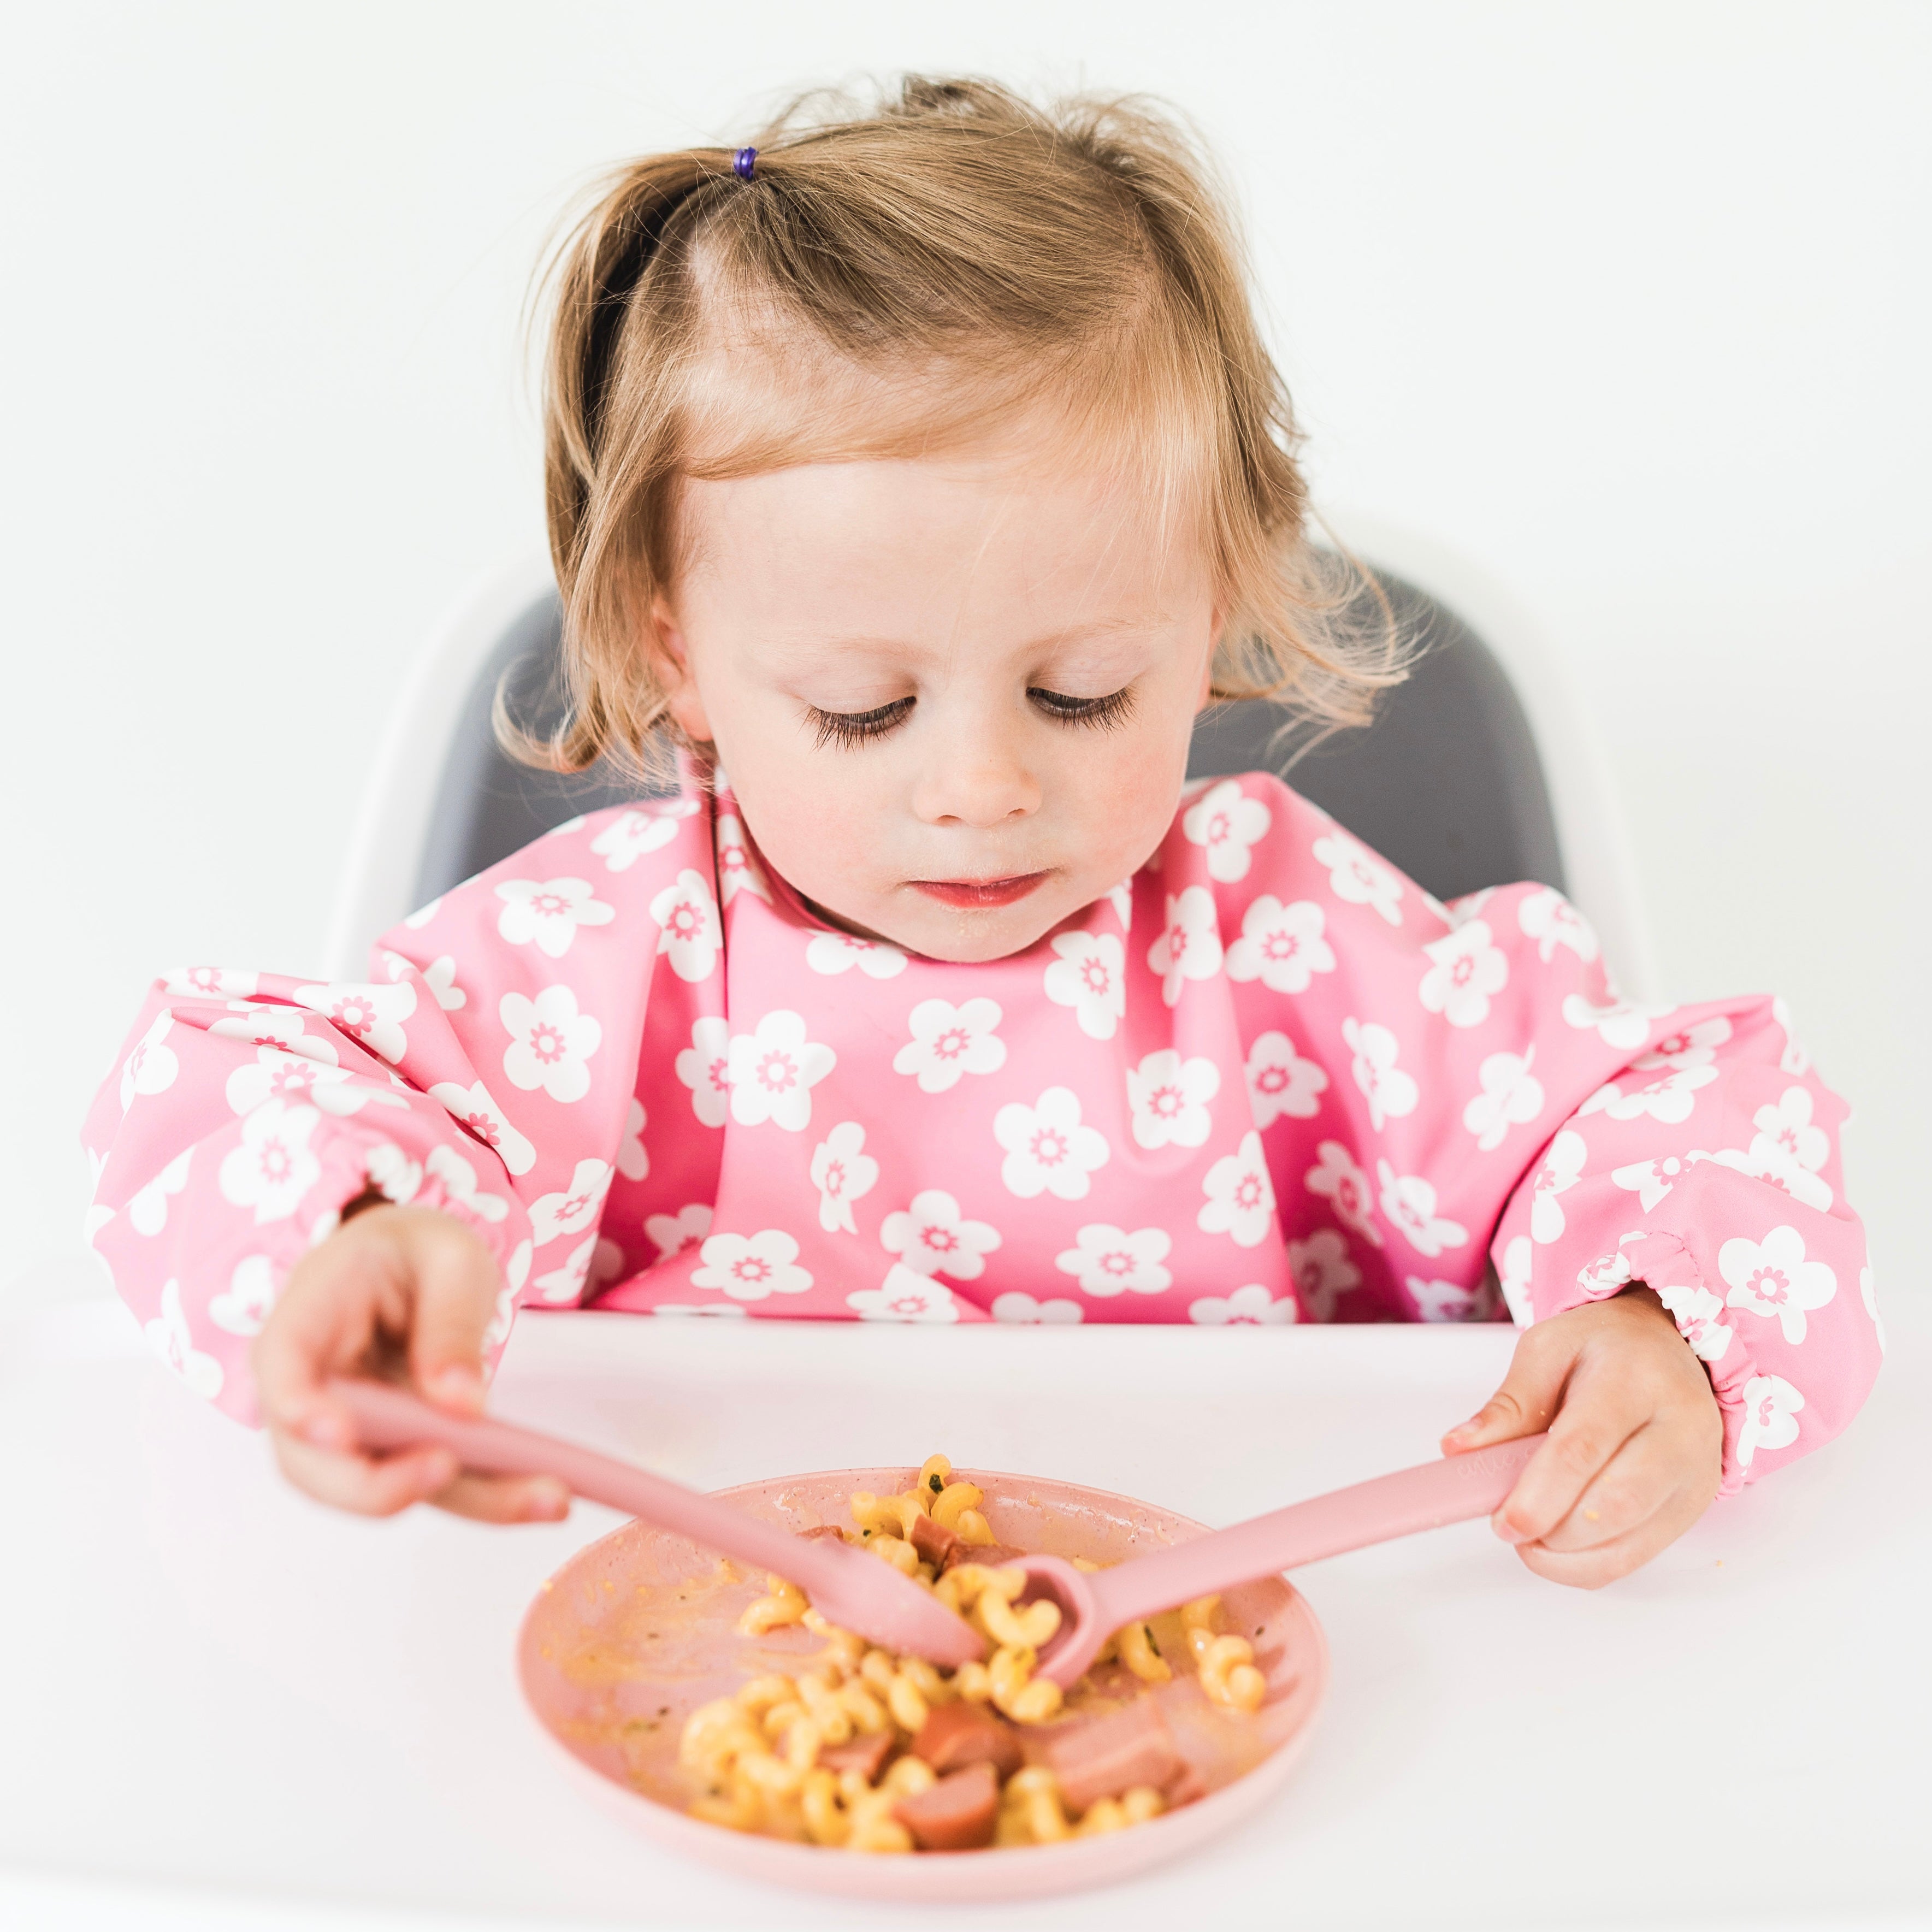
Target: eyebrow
<point>1052,641</point>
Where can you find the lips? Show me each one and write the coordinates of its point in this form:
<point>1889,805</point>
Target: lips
<point>974,895</point>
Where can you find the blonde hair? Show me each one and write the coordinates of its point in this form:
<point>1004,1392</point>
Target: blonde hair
<point>888,282</point>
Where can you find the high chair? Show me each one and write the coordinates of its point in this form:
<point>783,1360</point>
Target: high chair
<point>1478,771</point>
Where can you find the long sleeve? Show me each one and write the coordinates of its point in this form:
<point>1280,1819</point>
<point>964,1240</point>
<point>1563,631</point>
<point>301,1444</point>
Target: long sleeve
<point>486,1069</point>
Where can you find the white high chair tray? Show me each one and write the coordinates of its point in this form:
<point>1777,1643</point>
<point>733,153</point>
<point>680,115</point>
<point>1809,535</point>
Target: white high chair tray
<point>221,1709</point>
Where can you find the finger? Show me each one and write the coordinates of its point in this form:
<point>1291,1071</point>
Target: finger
<point>1642,1475</point>
<point>455,1291</point>
<point>1528,1396</point>
<point>505,1498</point>
<point>324,1323</point>
<point>1592,1569</point>
<point>362,1483</point>
<point>1598,1416</point>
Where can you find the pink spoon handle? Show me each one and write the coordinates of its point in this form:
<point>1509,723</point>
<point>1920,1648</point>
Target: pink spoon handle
<point>389,1418</point>
<point>1452,1490</point>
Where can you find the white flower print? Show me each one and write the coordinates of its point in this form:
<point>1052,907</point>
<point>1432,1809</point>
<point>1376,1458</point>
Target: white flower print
<point>631,836</point>
<point>705,1067</point>
<point>372,1015</point>
<point>1049,1150</point>
<point>1468,968</point>
<point>634,1159</point>
<point>1089,975</point>
<point>689,931</point>
<point>1687,1047</point>
<point>672,1234</point>
<point>1697,1312</point>
<point>572,1209</point>
<point>1190,945</point>
<point>904,1296</point>
<point>1226,822</point>
<point>1015,1307</point>
<point>1551,920</point>
<point>1389,1092</point>
<point>1608,1274</point>
<point>1562,1168</point>
<point>1511,1095</point>
<point>749,1267</point>
<point>1357,876</point>
<point>737,870</point>
<point>548,913</point>
<point>439,976</point>
<point>1794,1059</point>
<point>1771,1416</point>
<point>1670,1098</point>
<point>210,982</point>
<point>931,1236</point>
<point>1458,912</point>
<point>1322,1270</point>
<point>841,1171</point>
<point>1442,1300</point>
<point>1121,898</point>
<point>243,1306</point>
<point>516,1272</point>
<point>1343,1184</point>
<point>421,916</point>
<point>1649,1180</point>
<point>272,1168</point>
<point>1279,1081</point>
<point>1281,945</point>
<point>1107,1260</point>
<point>676,1309</point>
<point>948,1041</point>
<point>1168,1098</point>
<point>148,1211</point>
<point>1408,1206</point>
<point>1772,1278</point>
<point>169,1337</point>
<point>274,1075</point>
<point>280,1028</point>
<point>459,1182</point>
<point>550,1041</point>
<point>1513,1278</point>
<point>472,1107</point>
<point>1241,1197</point>
<point>1622,1024</point>
<point>1869,1296</point>
<point>393,1173</point>
<point>832,953</point>
<point>151,1067</point>
<point>772,1070</point>
<point>1788,1149</point>
<point>565,1284</point>
<point>1250,1306</point>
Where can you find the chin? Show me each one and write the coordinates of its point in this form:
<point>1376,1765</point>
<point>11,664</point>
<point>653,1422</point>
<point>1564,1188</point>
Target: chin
<point>973,938</point>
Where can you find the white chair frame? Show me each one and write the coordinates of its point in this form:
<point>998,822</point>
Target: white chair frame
<point>386,851</point>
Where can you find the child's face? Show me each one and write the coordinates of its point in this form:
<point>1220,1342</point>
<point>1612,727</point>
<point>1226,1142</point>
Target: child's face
<point>954,695</point>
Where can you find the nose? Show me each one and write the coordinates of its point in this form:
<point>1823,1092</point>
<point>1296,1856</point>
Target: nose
<point>975,777</point>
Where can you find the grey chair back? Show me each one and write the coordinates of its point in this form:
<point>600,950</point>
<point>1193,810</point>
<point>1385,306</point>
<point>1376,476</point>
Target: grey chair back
<point>1445,783</point>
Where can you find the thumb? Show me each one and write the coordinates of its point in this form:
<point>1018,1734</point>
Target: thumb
<point>1529,1397</point>
<point>455,1295</point>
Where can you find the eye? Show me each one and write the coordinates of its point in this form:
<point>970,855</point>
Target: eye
<point>1112,710</point>
<point>854,727</point>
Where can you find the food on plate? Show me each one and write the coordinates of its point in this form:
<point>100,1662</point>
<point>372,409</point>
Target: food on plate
<point>868,1752</point>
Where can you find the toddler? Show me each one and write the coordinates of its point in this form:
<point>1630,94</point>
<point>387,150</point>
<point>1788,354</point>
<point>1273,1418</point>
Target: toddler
<point>925,473</point>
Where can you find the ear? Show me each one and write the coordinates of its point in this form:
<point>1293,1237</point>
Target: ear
<point>1204,696</point>
<point>667,645</point>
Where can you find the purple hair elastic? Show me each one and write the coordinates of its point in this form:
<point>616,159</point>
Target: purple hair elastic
<point>743,161</point>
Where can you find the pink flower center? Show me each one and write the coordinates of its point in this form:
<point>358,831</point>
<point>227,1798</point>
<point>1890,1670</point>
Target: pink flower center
<point>1049,1147</point>
<point>684,921</point>
<point>908,1304</point>
<point>547,905</point>
<point>1167,1102</point>
<point>574,1207</point>
<point>777,1071</point>
<point>752,1267</point>
<point>485,1130</point>
<point>1350,1194</point>
<point>1272,1079</point>
<point>716,1074</point>
<point>547,1042</point>
<point>938,1239</point>
<point>1248,1191</point>
<point>353,1016</point>
<point>1117,1260</point>
<point>1462,970</point>
<point>276,1165</point>
<point>1280,945</point>
<point>1769,1284</point>
<point>1219,827</point>
<point>952,1043</point>
<point>834,1177</point>
<point>1094,974</point>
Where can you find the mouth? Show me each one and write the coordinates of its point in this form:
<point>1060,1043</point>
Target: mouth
<point>973,895</point>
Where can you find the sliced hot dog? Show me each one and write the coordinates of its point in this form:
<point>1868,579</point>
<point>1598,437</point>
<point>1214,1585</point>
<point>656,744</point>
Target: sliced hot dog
<point>819,1529</point>
<point>956,1814</point>
<point>865,1754</point>
<point>1101,1757</point>
<point>933,1540</point>
<point>960,1734</point>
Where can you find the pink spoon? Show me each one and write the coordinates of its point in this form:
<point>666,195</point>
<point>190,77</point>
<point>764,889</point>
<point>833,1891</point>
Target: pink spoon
<point>1095,1603</point>
<point>852,1588</point>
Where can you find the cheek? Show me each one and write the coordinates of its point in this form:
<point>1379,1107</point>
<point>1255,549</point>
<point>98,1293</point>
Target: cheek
<point>815,818</point>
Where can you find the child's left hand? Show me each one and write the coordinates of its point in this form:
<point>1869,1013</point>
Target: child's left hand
<point>1635,1439</point>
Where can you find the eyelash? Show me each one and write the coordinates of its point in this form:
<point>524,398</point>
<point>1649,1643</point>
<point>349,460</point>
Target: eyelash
<point>856,728</point>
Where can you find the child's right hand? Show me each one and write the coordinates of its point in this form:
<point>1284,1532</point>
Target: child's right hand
<point>407,1292</point>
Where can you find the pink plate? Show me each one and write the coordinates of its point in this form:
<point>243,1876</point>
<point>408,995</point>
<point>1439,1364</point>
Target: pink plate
<point>637,1630</point>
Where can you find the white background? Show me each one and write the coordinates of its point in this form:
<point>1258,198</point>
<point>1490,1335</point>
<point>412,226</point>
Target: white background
<point>1630,306</point>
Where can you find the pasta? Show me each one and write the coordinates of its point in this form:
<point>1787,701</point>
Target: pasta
<point>824,1755</point>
